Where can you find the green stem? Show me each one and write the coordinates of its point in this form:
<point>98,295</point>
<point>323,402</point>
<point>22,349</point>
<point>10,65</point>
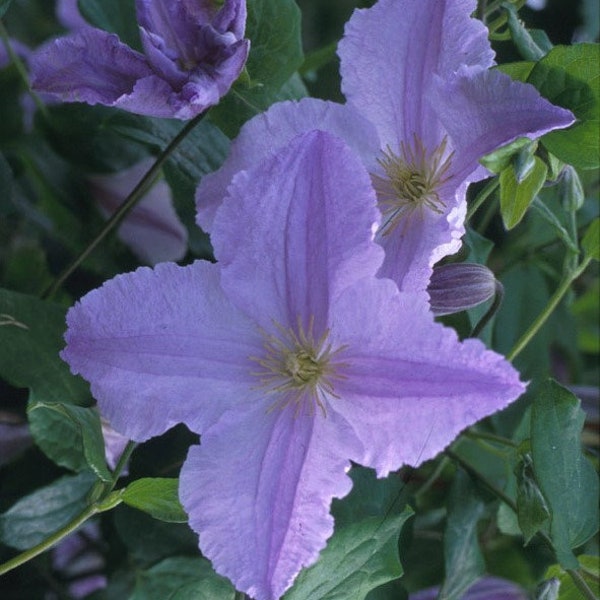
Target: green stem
<point>21,70</point>
<point>56,537</point>
<point>548,310</point>
<point>490,437</point>
<point>126,454</point>
<point>498,297</point>
<point>134,197</point>
<point>482,196</point>
<point>432,478</point>
<point>582,585</point>
<point>482,478</point>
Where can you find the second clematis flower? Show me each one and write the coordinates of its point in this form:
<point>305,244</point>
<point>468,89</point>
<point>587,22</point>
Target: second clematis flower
<point>422,108</point>
<point>290,358</point>
<point>193,52</point>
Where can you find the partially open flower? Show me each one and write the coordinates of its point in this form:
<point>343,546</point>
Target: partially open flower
<point>193,52</point>
<point>458,286</point>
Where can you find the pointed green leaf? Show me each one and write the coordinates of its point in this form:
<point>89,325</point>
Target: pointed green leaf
<point>462,556</point>
<point>500,159</point>
<point>569,76</point>
<point>515,196</point>
<point>40,514</point>
<point>158,497</point>
<point>274,28</point>
<point>182,578</point>
<point>532,509</point>
<point>32,337</point>
<point>69,435</point>
<point>567,480</point>
<point>522,39</point>
<point>591,240</point>
<point>358,558</point>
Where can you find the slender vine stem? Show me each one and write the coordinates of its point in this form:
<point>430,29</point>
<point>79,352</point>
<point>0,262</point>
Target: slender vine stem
<point>582,585</point>
<point>134,197</point>
<point>104,502</point>
<point>548,310</point>
<point>56,537</point>
<point>490,437</point>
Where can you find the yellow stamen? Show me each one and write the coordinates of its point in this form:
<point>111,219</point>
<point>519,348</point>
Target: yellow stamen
<point>299,369</point>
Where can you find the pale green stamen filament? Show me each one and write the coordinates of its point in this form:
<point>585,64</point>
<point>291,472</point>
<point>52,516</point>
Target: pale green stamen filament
<point>412,181</point>
<point>299,369</point>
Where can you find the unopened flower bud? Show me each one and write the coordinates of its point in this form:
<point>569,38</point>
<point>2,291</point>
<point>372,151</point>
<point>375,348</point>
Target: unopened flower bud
<point>571,190</point>
<point>458,286</point>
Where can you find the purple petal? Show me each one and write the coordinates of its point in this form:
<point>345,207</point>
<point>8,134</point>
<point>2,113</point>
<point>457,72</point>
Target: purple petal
<point>162,346</point>
<point>306,217</point>
<point>172,25</point>
<point>90,66</point>
<point>421,240</point>
<point>410,387</point>
<point>265,134</point>
<point>152,229</point>
<point>391,52</point>
<point>258,492</point>
<point>483,110</point>
<point>68,15</point>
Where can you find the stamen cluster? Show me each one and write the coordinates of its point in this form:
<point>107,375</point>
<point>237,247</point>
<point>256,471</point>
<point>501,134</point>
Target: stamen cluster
<point>298,368</point>
<point>412,181</point>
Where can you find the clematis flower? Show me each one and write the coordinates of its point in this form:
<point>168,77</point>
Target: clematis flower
<point>152,229</point>
<point>193,51</point>
<point>422,108</point>
<point>288,356</point>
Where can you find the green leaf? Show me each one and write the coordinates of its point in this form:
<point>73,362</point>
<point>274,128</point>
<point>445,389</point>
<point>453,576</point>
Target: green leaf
<point>88,137</point>
<point>182,578</point>
<point>500,159</point>
<point>115,16</point>
<point>158,497</point>
<point>358,558</point>
<point>462,556</point>
<point>40,514</point>
<point>567,480</point>
<point>203,150</point>
<point>515,196</point>
<point>524,42</point>
<point>590,571</point>
<point>591,240</point>
<point>532,510</point>
<point>4,4</point>
<point>6,182</point>
<point>519,71</point>
<point>69,435</point>
<point>274,29</point>
<point>370,496</point>
<point>32,336</point>
<point>569,76</point>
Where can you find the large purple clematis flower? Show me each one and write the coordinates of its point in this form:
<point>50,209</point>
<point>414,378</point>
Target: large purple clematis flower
<point>193,51</point>
<point>422,108</point>
<point>289,357</point>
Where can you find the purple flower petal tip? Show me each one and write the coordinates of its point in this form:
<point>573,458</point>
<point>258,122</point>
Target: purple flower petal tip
<point>192,55</point>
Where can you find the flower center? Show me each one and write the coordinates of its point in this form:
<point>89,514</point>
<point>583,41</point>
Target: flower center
<point>299,369</point>
<point>412,181</point>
